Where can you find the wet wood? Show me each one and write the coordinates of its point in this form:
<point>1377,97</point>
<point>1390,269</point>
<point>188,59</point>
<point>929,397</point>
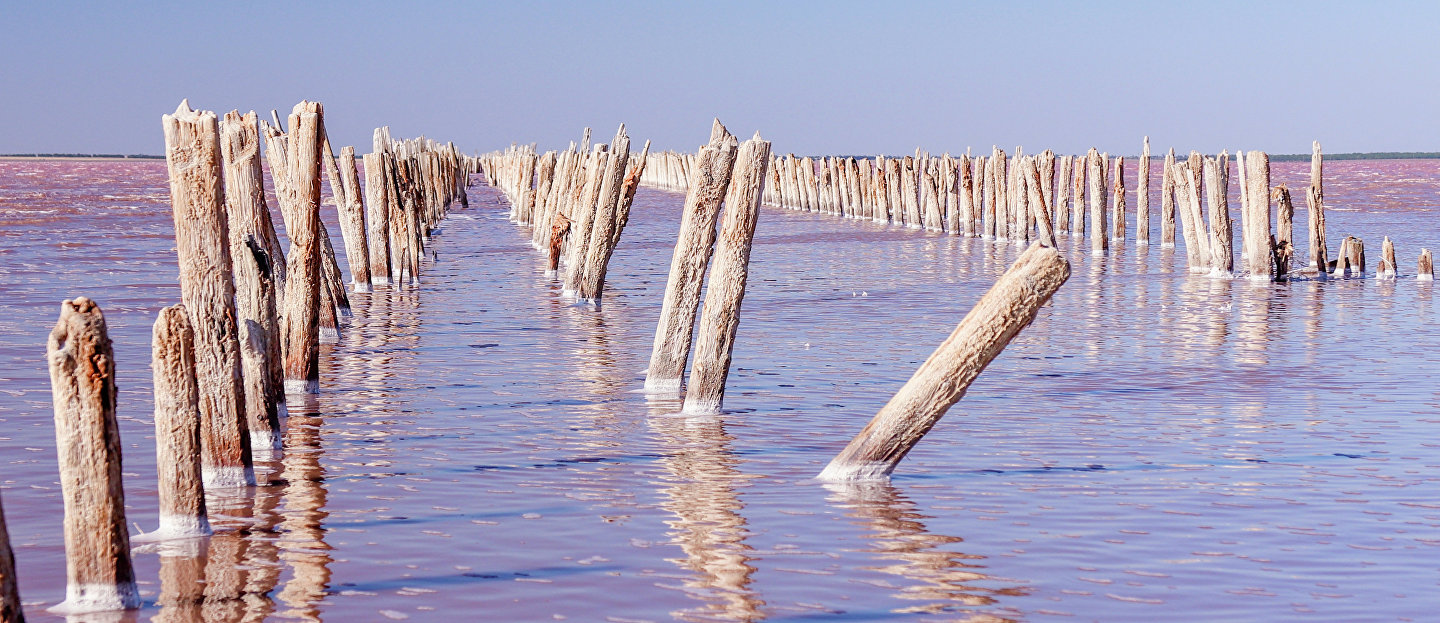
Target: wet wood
<point>177,428</point>
<point>202,239</point>
<point>1007,308</point>
<point>720,316</point>
<point>710,179</point>
<point>98,573</point>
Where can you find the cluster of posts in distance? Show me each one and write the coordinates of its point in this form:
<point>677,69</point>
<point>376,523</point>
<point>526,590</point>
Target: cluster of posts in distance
<point>248,331</point>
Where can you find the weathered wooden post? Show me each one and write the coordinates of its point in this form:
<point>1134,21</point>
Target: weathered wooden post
<point>1187,200</point>
<point>1117,202</point>
<point>202,238</point>
<point>1167,200</point>
<point>1009,306</point>
<point>177,429</point>
<point>1062,199</point>
<point>1425,268</point>
<point>1315,203</point>
<point>1257,199</point>
<point>596,252</point>
<point>720,316</point>
<point>98,573</point>
<point>708,183</point>
<point>1142,197</point>
<point>1284,215</point>
<point>1351,258</point>
<point>352,222</point>
<point>377,199</point>
<point>1039,203</point>
<point>1099,237</point>
<point>1222,244</point>
<point>1077,209</point>
<point>10,611</point>
<point>300,324</point>
<point>1387,269</point>
<point>258,268</point>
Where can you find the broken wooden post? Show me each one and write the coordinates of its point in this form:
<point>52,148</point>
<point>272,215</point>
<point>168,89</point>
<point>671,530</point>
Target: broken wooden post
<point>1039,203</point>
<point>177,429</point>
<point>1386,269</point>
<point>720,316</point>
<point>1257,200</point>
<point>1315,204</point>
<point>301,321</point>
<point>708,183</point>
<point>1077,201</point>
<point>98,573</point>
<point>10,610</point>
<point>1425,268</point>
<point>1142,197</point>
<point>1095,173</point>
<point>1284,215</point>
<point>352,222</point>
<point>1009,306</point>
<point>1117,202</point>
<point>197,198</point>
<point>1280,253</point>
<point>254,256</point>
<point>1187,202</point>
<point>1351,259</point>
<point>1062,199</point>
<point>1222,244</point>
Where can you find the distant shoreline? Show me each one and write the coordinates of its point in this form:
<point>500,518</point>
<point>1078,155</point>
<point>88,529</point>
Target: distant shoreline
<point>1377,155</point>
<point>79,157</point>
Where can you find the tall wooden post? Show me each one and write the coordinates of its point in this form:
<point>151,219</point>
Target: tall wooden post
<point>720,317</point>
<point>1099,237</point>
<point>1222,244</point>
<point>1257,176</point>
<point>1315,203</point>
<point>98,573</point>
<point>202,238</point>
<point>177,428</point>
<point>1117,201</point>
<point>1009,306</point>
<point>1142,198</point>
<point>1167,200</point>
<point>352,222</point>
<point>300,324</point>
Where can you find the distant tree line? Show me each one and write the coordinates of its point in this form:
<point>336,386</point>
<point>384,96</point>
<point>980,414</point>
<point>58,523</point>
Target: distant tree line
<point>132,156</point>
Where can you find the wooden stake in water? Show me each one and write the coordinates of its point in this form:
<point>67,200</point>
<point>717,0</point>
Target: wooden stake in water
<point>300,324</point>
<point>1045,228</point>
<point>720,317</point>
<point>1425,268</point>
<point>98,573</point>
<point>1167,200</point>
<point>10,611</point>
<point>1095,173</point>
<point>1117,201</point>
<point>1386,270</point>
<point>1222,233</point>
<point>352,222</point>
<point>708,183</point>
<point>1257,176</point>
<point>1142,197</point>
<point>1315,203</point>
<point>1009,306</point>
<point>1284,215</point>
<point>202,238</point>
<point>377,198</point>
<point>177,429</point>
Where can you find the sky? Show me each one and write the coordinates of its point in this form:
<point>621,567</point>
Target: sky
<point>812,77</point>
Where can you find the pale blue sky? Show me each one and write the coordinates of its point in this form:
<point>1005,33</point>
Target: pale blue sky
<point>823,77</point>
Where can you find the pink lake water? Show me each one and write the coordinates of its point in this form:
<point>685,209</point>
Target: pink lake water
<point>1157,446</point>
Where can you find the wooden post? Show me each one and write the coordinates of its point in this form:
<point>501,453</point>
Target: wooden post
<point>1386,269</point>
<point>1142,198</point>
<point>300,324</point>
<point>1222,244</point>
<point>1284,215</point>
<point>202,238</point>
<point>720,317</point>
<point>988,209</point>
<point>597,250</point>
<point>1351,258</point>
<point>1099,237</point>
<point>1425,268</point>
<point>352,222</point>
<point>966,188</point>
<point>1077,203</point>
<point>607,233</point>
<point>10,610</point>
<point>177,429</point>
<point>1187,201</point>
<point>254,263</point>
<point>1167,200</point>
<point>1117,201</point>
<point>708,183</point>
<point>1009,306</point>
<point>583,219</point>
<point>1315,203</point>
<point>1039,202</point>
<point>1062,199</point>
<point>377,199</point>
<point>1240,172</point>
<point>1257,176</point>
<point>82,383</point>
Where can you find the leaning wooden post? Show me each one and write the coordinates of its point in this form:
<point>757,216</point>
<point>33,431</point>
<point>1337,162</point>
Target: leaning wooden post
<point>1315,203</point>
<point>1257,176</point>
<point>709,180</point>
<point>1425,268</point>
<point>82,384</point>
<point>720,317</point>
<point>1142,198</point>
<point>1009,306</point>
<point>10,611</point>
<point>352,222</point>
<point>1039,203</point>
<point>202,234</point>
<point>301,320</point>
<point>177,429</point>
<point>257,269</point>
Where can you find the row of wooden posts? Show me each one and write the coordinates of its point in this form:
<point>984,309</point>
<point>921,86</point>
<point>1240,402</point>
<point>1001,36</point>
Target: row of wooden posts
<point>248,331</point>
<point>1001,197</point>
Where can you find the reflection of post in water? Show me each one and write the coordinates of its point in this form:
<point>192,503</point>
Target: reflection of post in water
<point>301,540</point>
<point>702,479</point>
<point>182,580</point>
<point>1252,330</point>
<point>1220,295</point>
<point>942,578</point>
